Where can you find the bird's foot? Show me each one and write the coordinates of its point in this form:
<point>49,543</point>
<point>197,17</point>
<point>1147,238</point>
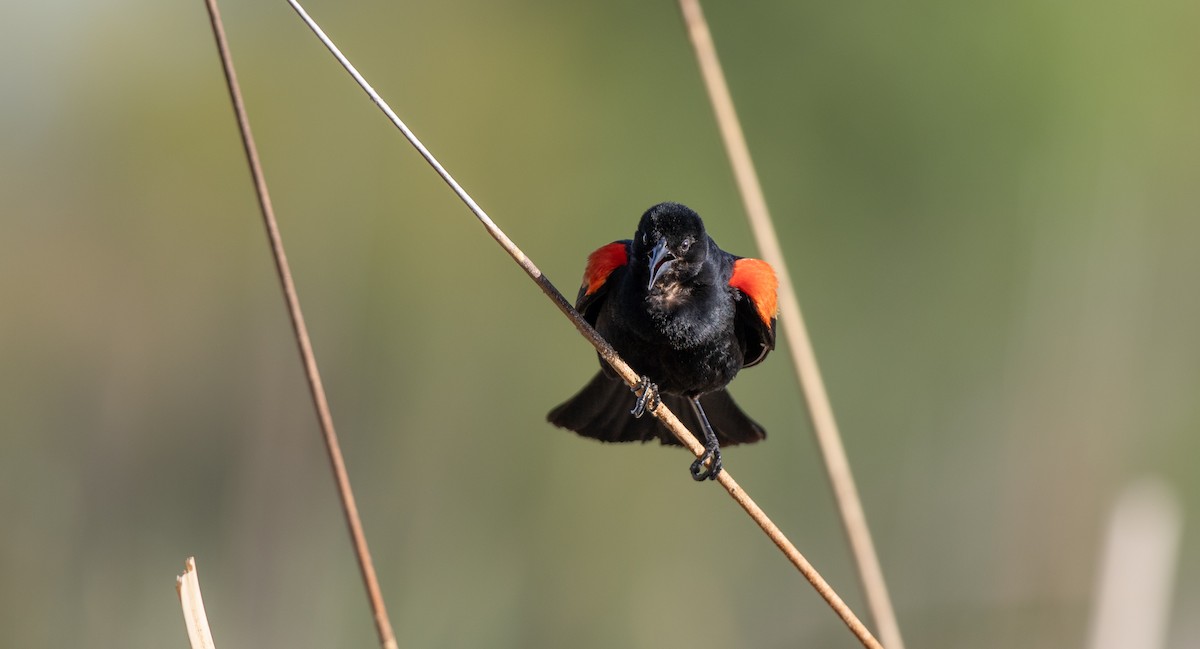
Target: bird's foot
<point>647,397</point>
<point>700,472</point>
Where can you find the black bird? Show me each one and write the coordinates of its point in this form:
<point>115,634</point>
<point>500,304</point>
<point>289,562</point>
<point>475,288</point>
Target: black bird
<point>686,316</point>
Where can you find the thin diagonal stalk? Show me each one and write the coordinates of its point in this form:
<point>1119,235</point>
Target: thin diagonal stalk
<point>605,350</point>
<point>383,625</point>
<point>803,358</point>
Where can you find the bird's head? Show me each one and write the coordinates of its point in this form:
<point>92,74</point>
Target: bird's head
<point>671,241</point>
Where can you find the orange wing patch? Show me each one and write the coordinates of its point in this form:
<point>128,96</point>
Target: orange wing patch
<point>756,279</point>
<point>602,263</point>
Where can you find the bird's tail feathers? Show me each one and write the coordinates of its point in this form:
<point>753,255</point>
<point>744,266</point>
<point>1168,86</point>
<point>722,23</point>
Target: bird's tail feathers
<point>601,411</point>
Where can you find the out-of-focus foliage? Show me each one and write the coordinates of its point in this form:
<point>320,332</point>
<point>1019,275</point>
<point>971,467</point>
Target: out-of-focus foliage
<point>990,212</point>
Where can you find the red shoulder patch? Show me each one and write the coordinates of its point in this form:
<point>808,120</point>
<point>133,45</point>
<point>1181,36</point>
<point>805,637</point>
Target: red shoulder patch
<point>756,279</point>
<point>602,263</point>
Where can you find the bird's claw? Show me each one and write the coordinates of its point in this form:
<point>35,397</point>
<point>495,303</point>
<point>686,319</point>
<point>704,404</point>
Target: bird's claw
<point>700,472</point>
<point>647,398</point>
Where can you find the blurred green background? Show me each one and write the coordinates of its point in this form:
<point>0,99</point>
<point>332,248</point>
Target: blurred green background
<point>990,212</point>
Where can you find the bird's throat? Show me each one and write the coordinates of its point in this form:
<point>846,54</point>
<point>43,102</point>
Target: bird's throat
<point>665,297</point>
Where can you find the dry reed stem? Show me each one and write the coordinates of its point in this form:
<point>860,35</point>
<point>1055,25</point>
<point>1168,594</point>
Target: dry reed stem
<point>1138,565</point>
<point>804,360</point>
<point>606,351</point>
<point>383,625</point>
<point>187,586</point>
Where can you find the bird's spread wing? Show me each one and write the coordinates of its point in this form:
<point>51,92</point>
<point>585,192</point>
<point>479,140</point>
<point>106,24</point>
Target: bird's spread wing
<point>756,282</point>
<point>600,268</point>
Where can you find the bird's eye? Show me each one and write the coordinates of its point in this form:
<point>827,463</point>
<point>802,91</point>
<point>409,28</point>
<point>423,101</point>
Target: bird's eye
<point>684,245</point>
<point>645,237</point>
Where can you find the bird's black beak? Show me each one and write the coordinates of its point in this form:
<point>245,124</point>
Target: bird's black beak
<point>660,261</point>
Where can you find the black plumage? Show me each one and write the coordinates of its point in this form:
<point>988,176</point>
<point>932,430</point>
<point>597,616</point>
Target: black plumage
<point>685,315</point>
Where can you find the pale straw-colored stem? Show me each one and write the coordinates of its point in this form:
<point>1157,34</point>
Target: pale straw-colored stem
<point>187,586</point>
<point>1138,567</point>
<point>604,349</point>
<point>796,334</point>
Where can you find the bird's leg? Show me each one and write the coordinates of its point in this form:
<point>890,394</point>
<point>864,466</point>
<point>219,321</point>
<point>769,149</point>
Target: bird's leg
<point>712,450</point>
<point>647,397</point>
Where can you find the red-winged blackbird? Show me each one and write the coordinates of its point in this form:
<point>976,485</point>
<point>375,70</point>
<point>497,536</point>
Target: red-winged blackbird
<point>684,314</point>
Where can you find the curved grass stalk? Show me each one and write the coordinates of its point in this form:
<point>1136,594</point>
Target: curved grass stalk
<point>804,360</point>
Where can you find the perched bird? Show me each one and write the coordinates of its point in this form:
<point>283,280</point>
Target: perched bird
<point>686,316</point>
